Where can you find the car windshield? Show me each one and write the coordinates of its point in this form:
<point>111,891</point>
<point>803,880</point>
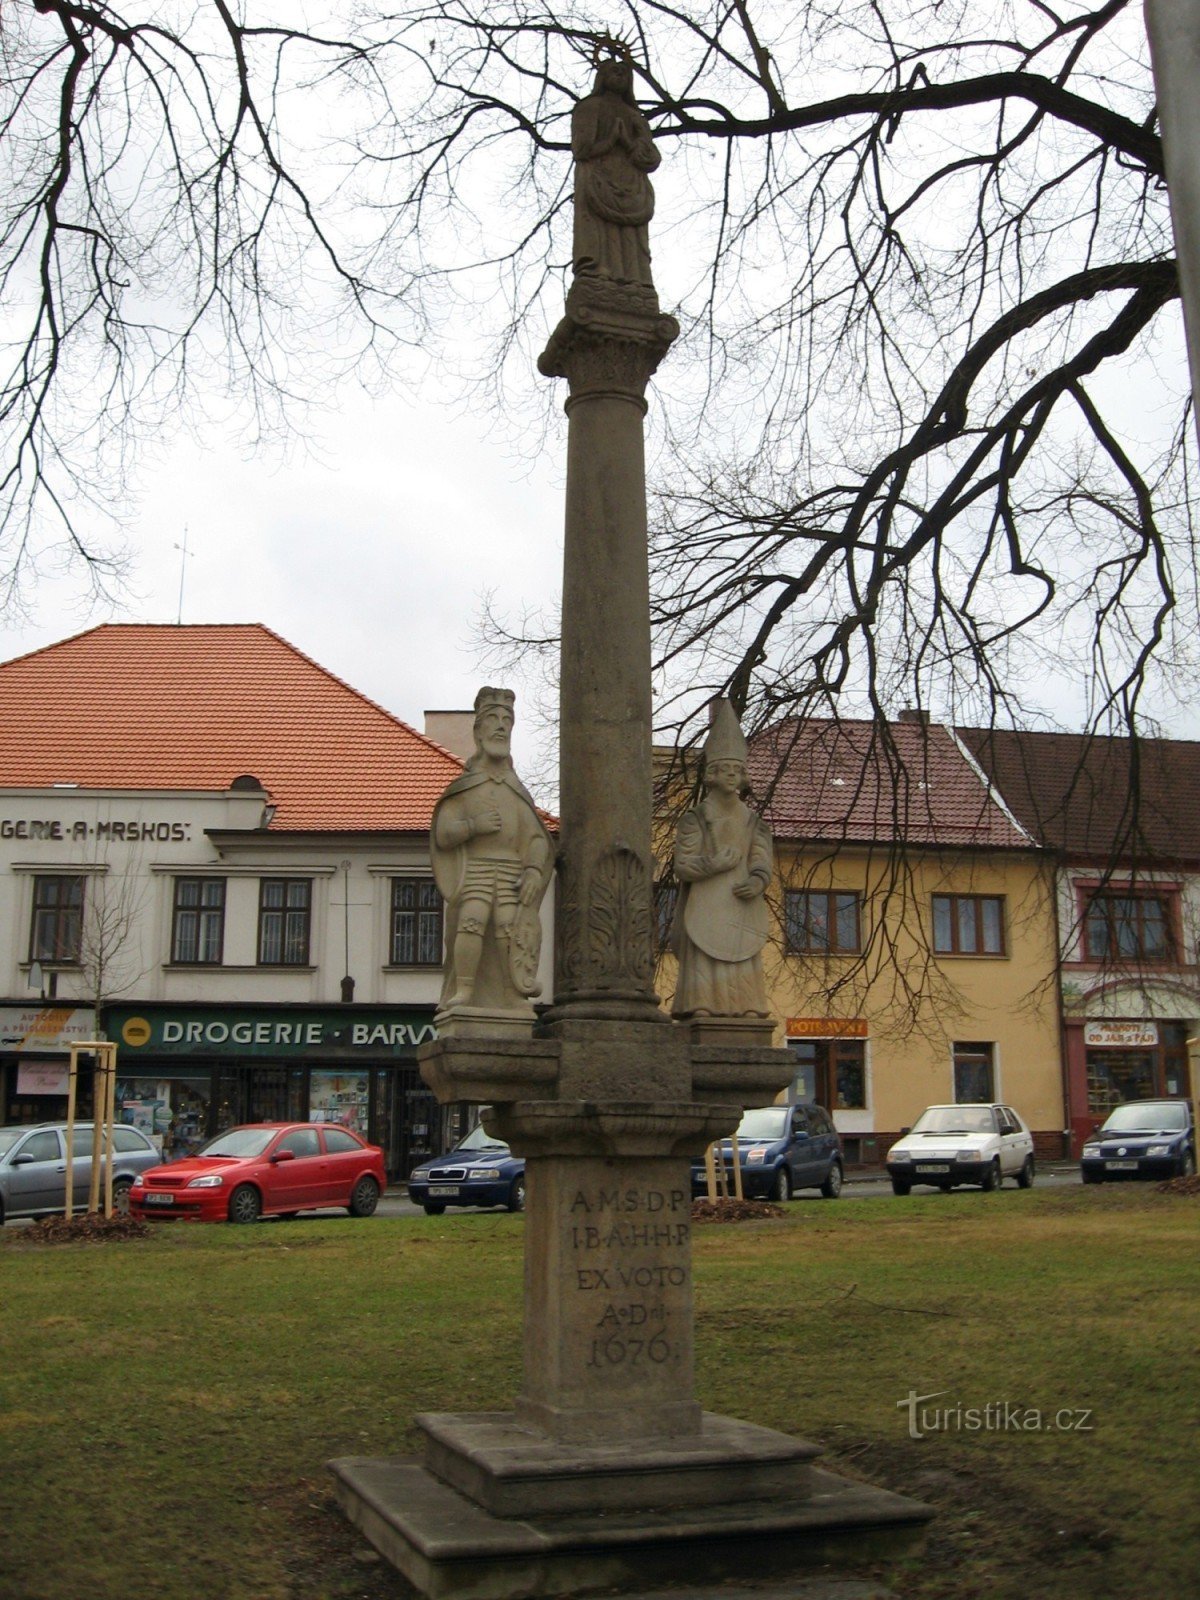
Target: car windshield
<point>764,1122</point>
<point>239,1142</point>
<point>9,1137</point>
<point>955,1119</point>
<point>1149,1117</point>
<point>479,1139</point>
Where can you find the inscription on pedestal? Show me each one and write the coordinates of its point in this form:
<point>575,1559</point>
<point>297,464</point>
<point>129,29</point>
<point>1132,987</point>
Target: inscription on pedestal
<point>636,1241</point>
<point>619,1274</point>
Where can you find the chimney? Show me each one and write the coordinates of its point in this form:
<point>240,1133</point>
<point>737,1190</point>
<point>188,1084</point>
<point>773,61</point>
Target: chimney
<point>453,730</point>
<point>914,714</point>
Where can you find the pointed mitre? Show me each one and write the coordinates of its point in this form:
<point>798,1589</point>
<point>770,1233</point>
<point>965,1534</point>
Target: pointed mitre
<point>726,741</point>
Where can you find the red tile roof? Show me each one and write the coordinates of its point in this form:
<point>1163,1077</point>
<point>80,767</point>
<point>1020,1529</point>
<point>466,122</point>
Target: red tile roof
<point>144,706</point>
<point>1095,796</point>
<point>858,782</point>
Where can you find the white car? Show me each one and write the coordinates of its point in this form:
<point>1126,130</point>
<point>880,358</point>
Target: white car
<point>947,1145</point>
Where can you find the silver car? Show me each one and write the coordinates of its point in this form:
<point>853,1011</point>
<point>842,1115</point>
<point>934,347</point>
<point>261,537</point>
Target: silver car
<point>33,1167</point>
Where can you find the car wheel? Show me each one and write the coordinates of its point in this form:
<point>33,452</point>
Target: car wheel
<point>433,1208</point>
<point>832,1187</point>
<point>1092,1177</point>
<point>245,1204</point>
<point>364,1197</point>
<point>1025,1176</point>
<point>516,1195</point>
<point>900,1187</point>
<point>781,1184</point>
<point>992,1179</point>
<point>1187,1164</point>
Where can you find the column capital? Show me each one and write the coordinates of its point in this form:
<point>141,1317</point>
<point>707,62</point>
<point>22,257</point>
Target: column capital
<point>610,341</point>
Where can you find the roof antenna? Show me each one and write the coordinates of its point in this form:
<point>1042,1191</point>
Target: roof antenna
<point>184,553</point>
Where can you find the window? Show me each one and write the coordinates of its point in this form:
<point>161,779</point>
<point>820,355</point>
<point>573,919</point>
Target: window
<point>822,923</point>
<point>974,1074</point>
<point>301,1142</point>
<point>283,921</point>
<point>968,924</point>
<point>198,932</point>
<point>1129,927</point>
<point>57,918</point>
<point>43,1147</point>
<point>831,1072</point>
<point>416,923</point>
<point>338,1142</point>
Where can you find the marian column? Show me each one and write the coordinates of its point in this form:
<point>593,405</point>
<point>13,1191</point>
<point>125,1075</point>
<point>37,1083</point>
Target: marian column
<point>604,1472</point>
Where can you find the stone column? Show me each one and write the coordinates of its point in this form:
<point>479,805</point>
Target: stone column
<point>607,351</point>
<point>1173,27</point>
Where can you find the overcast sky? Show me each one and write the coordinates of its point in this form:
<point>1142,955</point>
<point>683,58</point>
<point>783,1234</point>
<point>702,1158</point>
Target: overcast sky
<point>369,551</point>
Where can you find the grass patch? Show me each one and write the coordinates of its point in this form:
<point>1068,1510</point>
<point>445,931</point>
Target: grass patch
<point>167,1405</point>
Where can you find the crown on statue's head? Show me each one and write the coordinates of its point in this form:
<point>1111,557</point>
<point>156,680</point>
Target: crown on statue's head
<point>488,697</point>
<point>726,741</point>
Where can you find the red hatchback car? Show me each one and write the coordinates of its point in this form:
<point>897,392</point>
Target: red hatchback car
<point>267,1169</point>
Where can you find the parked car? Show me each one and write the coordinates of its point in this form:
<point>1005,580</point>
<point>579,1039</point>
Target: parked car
<point>33,1167</point>
<point>781,1149</point>
<point>265,1169</point>
<point>479,1171</point>
<point>949,1145</point>
<point>1142,1139</point>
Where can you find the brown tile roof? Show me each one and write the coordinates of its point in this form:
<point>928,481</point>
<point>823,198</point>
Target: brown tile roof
<point>1094,796</point>
<point>144,706</point>
<point>847,781</point>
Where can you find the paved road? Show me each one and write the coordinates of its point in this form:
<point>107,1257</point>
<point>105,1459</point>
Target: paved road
<point>866,1187</point>
<point>395,1203</point>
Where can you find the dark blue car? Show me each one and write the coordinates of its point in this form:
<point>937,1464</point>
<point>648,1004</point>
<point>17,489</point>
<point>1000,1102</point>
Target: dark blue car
<point>1142,1139</point>
<point>782,1149</point>
<point>479,1171</point>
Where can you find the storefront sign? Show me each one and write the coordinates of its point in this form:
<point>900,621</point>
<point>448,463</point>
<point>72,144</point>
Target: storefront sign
<point>826,1028</point>
<point>305,1032</point>
<point>49,1029</point>
<point>132,830</point>
<point>34,1077</point>
<point>1118,1035</point>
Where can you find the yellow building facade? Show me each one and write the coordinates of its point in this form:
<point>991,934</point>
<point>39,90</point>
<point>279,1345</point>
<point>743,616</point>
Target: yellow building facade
<point>901,979</point>
<point>914,952</point>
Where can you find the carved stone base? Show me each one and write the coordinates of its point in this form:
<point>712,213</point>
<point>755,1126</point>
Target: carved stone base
<point>486,1068</point>
<point>482,1022</point>
<point>740,1500</point>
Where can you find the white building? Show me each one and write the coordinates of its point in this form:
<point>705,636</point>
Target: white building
<point>217,853</point>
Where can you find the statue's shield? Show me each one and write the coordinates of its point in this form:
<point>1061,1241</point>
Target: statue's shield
<point>724,927</point>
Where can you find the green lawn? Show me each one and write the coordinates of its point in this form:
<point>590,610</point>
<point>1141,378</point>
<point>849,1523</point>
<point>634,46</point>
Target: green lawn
<point>167,1405</point>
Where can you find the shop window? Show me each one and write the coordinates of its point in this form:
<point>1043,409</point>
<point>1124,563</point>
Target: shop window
<point>1129,927</point>
<point>968,924</point>
<point>831,1072</point>
<point>284,919</point>
<point>416,923</point>
<point>57,918</point>
<point>974,1074</point>
<point>822,924</point>
<point>198,927</point>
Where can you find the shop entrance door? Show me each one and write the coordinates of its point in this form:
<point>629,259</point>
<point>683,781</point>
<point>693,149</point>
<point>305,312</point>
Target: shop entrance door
<point>268,1093</point>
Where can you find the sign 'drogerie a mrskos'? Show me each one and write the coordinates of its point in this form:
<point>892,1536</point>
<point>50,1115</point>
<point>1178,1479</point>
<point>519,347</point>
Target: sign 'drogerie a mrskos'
<point>244,1031</point>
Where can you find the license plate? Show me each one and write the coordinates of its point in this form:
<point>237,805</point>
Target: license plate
<point>442,1190</point>
<point>158,1200</point>
<point>1121,1166</point>
<point>938,1166</point>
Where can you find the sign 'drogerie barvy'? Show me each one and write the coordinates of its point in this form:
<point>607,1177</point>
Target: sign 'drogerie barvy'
<point>244,1031</point>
